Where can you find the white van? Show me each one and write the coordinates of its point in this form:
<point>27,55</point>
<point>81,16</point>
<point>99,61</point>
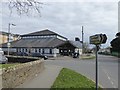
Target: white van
<point>3,59</point>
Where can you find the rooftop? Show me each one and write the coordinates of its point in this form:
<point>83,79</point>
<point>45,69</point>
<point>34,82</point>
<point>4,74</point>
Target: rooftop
<point>42,33</point>
<point>76,44</point>
<point>5,33</point>
<point>41,43</point>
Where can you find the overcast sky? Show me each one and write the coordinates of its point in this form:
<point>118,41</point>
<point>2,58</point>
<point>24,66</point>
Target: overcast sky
<point>66,18</point>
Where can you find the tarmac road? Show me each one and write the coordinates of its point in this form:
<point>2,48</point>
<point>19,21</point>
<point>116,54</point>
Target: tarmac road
<point>108,69</point>
<point>0,79</point>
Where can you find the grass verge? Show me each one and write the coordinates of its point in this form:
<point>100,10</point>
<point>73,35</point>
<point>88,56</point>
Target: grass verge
<point>7,65</point>
<point>70,79</point>
<point>87,57</point>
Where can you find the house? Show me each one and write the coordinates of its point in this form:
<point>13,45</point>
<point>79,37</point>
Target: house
<point>105,50</point>
<point>4,37</point>
<point>45,42</point>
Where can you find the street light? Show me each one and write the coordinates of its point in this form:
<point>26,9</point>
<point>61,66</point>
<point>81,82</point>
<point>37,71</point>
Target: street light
<point>8,44</point>
<point>82,40</point>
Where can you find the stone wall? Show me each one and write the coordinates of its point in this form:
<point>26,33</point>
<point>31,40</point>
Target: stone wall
<point>14,76</point>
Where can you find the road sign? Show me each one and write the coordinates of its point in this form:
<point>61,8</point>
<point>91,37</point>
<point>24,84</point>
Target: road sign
<point>98,39</point>
<point>104,38</point>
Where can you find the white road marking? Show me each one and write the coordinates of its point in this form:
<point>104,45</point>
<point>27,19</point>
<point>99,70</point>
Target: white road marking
<point>112,82</point>
<point>109,78</point>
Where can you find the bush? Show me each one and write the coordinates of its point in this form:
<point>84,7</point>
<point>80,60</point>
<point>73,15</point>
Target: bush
<point>117,54</point>
<point>104,53</point>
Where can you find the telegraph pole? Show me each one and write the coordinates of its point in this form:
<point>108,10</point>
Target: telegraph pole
<point>8,43</point>
<point>82,40</point>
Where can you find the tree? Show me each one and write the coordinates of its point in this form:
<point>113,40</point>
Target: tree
<point>25,6</point>
<point>118,34</point>
<point>115,43</point>
<point>86,47</point>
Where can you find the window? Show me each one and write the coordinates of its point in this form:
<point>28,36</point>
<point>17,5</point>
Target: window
<point>43,51</point>
<point>39,50</point>
<point>19,49</point>
<point>25,50</point>
<point>46,50</point>
<point>50,51</point>
<point>35,50</point>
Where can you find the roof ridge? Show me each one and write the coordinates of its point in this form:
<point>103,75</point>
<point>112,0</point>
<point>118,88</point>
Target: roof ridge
<point>41,32</point>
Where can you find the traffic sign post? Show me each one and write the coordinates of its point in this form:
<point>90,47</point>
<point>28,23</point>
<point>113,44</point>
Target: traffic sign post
<point>97,40</point>
<point>96,67</point>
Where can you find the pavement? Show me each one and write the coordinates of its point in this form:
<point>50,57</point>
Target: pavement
<point>61,58</point>
<point>43,80</point>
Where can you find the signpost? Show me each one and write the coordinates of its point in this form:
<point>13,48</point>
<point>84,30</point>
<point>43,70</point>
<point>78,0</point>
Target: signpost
<point>97,40</point>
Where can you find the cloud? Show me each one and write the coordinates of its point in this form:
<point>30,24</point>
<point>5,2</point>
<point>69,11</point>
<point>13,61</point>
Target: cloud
<point>67,18</point>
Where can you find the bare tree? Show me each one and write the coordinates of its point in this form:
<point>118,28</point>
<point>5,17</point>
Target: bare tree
<point>86,47</point>
<point>25,6</point>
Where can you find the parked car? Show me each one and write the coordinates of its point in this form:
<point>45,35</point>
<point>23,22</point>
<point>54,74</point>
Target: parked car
<point>38,55</point>
<point>21,54</point>
<point>3,59</point>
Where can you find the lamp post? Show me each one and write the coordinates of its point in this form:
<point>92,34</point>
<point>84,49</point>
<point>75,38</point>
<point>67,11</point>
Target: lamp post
<point>8,44</point>
<point>82,41</point>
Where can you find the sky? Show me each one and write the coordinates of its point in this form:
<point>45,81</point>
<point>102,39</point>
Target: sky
<point>66,18</point>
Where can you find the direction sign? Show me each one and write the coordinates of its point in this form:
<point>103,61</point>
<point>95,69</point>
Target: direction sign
<point>104,38</point>
<point>98,39</point>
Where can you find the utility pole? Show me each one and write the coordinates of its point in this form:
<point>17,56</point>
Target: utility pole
<point>8,44</point>
<point>82,40</point>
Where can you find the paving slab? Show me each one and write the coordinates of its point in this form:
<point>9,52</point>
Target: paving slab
<point>43,80</point>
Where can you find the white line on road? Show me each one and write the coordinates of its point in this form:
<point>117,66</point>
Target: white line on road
<point>109,78</point>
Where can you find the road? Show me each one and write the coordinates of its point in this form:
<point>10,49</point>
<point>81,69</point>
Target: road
<point>108,69</point>
<point>0,79</point>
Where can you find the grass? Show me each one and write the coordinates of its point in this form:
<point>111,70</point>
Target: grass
<point>87,57</point>
<point>71,79</point>
<point>7,65</point>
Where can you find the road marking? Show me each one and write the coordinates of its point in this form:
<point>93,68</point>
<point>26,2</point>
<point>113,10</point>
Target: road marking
<point>112,82</point>
<point>109,78</point>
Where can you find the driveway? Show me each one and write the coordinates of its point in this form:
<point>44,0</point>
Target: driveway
<point>108,69</point>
